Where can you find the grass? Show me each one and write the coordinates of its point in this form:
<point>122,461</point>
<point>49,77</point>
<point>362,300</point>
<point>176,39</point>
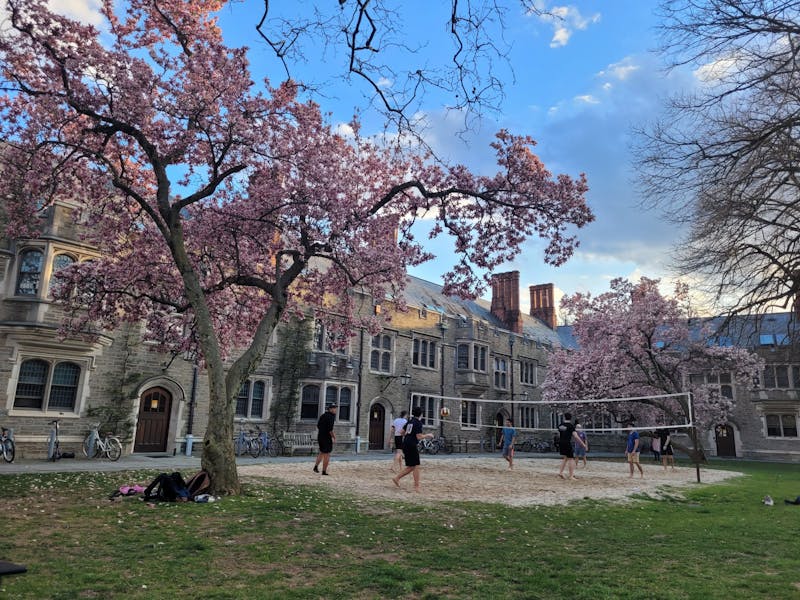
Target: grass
<point>280,541</point>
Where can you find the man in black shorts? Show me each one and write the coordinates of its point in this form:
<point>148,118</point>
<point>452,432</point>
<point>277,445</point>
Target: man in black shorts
<point>325,437</point>
<point>566,435</point>
<point>413,433</point>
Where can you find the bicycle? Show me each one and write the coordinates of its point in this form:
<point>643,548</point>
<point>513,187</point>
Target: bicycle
<point>7,445</point>
<point>428,446</point>
<point>525,445</point>
<point>268,445</point>
<point>54,444</point>
<point>443,445</point>
<point>247,443</point>
<point>108,446</point>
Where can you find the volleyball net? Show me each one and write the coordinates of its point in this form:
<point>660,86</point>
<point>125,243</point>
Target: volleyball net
<point>606,415</point>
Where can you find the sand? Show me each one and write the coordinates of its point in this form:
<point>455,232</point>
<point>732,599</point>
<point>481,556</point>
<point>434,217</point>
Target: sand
<point>533,481</point>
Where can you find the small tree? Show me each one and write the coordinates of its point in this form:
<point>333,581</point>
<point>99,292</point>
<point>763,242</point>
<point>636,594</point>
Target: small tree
<point>632,342</point>
<point>219,209</point>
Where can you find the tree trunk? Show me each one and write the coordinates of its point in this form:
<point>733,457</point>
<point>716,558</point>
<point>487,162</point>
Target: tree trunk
<point>219,458</point>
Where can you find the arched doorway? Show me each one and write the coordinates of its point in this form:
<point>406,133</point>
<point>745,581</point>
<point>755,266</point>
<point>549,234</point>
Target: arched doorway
<point>726,443</point>
<point>377,427</point>
<point>152,428</point>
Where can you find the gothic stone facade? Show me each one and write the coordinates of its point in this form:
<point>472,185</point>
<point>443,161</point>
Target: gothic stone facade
<point>478,360</point>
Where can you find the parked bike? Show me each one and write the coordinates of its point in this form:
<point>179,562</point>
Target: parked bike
<point>7,445</point>
<point>94,445</point>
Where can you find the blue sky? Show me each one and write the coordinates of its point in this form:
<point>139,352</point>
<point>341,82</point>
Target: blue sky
<point>580,83</point>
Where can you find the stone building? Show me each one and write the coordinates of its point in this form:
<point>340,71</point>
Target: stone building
<point>478,360</point>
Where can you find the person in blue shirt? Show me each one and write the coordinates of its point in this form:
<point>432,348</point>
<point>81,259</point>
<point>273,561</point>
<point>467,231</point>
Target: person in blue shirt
<point>509,435</point>
<point>632,450</point>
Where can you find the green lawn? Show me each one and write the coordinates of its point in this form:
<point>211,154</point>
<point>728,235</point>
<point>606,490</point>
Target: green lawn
<point>279,541</point>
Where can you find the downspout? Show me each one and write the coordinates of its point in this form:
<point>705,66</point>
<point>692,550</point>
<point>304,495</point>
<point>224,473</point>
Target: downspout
<point>441,383</point>
<point>360,387</point>
<point>192,400</point>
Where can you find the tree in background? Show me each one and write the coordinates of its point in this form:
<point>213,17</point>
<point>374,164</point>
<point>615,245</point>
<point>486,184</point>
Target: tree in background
<point>723,160</point>
<point>221,207</point>
<point>634,342</point>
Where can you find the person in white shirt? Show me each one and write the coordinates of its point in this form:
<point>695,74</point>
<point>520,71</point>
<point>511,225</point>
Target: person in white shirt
<point>398,427</point>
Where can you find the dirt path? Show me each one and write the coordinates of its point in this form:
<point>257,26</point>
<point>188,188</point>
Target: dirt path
<point>533,481</point>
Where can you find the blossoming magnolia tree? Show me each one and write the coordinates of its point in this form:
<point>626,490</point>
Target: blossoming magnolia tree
<point>218,208</point>
<point>634,342</point>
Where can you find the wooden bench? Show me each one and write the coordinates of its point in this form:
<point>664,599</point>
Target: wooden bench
<point>9,568</point>
<point>294,440</point>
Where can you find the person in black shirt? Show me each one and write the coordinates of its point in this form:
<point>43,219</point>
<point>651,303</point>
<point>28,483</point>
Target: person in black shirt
<point>566,435</point>
<point>325,437</point>
<point>413,433</point>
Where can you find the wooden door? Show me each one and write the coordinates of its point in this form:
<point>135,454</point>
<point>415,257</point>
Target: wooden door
<point>726,444</point>
<point>377,427</point>
<point>152,427</point>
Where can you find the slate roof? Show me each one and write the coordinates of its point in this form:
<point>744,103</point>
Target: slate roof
<point>425,294</point>
<point>744,331</point>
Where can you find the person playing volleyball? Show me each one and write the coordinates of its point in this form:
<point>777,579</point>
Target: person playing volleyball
<point>413,433</point>
<point>566,435</point>
<point>632,450</point>
<point>397,431</point>
<point>509,435</point>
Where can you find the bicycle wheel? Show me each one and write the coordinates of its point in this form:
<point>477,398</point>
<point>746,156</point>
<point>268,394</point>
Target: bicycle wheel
<point>89,446</point>
<point>9,450</point>
<point>113,448</point>
<point>254,447</point>
<point>272,448</point>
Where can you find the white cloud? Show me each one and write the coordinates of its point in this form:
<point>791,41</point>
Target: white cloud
<point>716,70</point>
<point>587,99</point>
<point>86,11</point>
<point>565,20</point>
<point>383,82</point>
<point>560,37</point>
<point>621,70</point>
<point>345,130</point>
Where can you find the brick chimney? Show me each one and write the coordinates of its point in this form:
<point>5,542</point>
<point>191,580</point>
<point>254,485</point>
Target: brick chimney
<point>505,300</point>
<point>543,304</point>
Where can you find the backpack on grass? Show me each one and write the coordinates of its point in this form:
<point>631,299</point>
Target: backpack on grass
<point>167,488</point>
<point>198,484</point>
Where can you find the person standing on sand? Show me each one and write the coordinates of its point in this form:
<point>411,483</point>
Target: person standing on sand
<point>509,435</point>
<point>580,451</point>
<point>325,438</point>
<point>397,431</point>
<point>566,435</point>
<point>655,446</point>
<point>632,450</point>
<point>667,453</point>
<point>413,433</point>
